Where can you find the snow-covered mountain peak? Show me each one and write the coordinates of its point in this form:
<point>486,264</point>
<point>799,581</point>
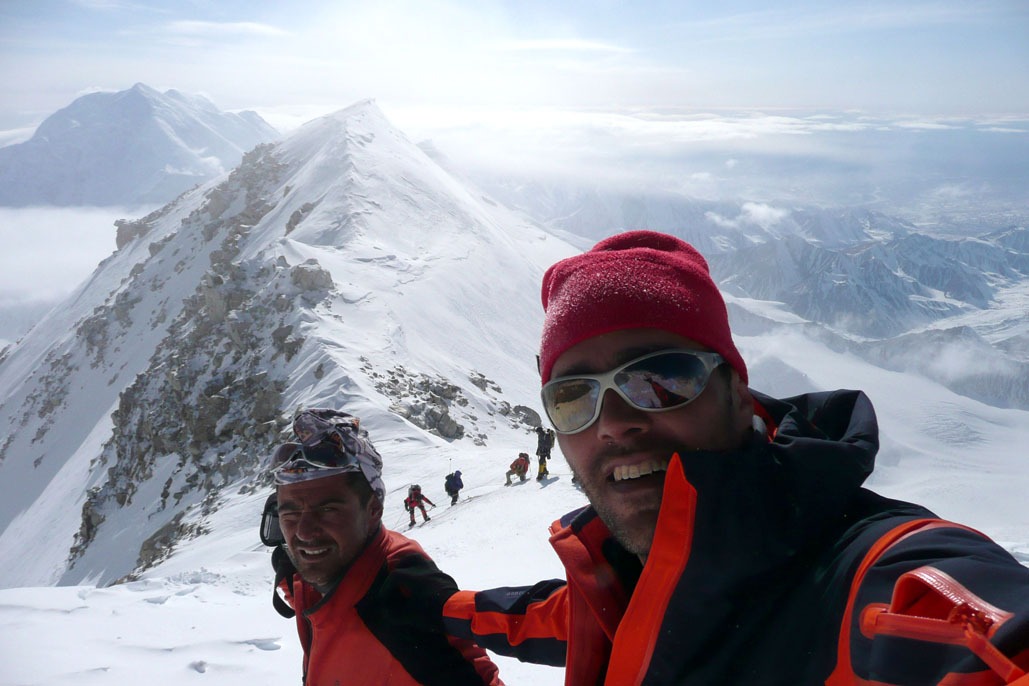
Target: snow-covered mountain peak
<point>136,146</point>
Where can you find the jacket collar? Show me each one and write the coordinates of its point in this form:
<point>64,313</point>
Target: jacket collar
<point>756,507</point>
<point>357,578</point>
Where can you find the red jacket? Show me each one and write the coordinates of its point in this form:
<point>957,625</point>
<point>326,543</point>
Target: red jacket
<point>772,566</point>
<point>365,632</point>
<point>415,500</point>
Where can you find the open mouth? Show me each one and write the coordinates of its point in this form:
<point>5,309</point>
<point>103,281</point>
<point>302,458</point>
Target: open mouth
<point>313,553</point>
<point>635,471</point>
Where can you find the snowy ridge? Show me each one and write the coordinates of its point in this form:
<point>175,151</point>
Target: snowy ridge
<point>295,280</point>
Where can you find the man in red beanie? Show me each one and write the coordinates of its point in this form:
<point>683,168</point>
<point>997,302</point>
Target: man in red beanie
<point>728,538</point>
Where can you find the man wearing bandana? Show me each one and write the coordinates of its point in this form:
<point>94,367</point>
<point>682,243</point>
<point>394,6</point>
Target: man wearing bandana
<point>355,587</point>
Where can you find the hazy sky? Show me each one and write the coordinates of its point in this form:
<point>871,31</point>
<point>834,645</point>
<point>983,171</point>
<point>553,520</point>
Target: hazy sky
<point>291,61</point>
<point>919,103</point>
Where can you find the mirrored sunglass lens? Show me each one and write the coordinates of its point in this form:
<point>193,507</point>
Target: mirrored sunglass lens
<point>570,404</point>
<point>663,381</point>
<point>325,455</point>
<point>286,452</point>
<point>320,455</point>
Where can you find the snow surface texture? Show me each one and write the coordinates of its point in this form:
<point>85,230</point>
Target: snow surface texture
<point>422,297</point>
<point>205,615</point>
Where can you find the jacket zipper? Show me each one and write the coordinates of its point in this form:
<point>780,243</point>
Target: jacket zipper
<point>962,618</point>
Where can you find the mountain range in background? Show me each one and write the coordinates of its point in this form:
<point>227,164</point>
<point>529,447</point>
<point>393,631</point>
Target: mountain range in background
<point>133,147</point>
<point>158,387</point>
<point>344,266</point>
<point>867,282</point>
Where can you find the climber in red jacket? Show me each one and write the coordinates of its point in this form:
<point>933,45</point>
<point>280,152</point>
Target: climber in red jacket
<point>519,468</point>
<point>416,500</point>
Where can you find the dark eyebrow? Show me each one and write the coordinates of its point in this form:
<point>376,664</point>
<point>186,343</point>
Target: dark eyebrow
<point>288,505</point>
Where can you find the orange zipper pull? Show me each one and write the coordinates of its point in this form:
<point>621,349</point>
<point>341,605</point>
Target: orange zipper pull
<point>930,605</point>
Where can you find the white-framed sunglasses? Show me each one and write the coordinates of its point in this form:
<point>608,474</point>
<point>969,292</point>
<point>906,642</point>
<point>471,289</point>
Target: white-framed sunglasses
<point>656,382</point>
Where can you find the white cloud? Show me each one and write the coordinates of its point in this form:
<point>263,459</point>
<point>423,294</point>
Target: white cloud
<point>805,20</point>
<point>751,214</point>
<point>570,44</point>
<point>924,125</point>
<point>12,136</point>
<point>212,29</point>
<point>762,215</point>
<point>49,251</point>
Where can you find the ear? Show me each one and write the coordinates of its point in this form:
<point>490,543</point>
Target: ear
<point>374,512</point>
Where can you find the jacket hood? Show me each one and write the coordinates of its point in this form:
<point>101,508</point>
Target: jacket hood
<point>757,508</point>
<point>825,444</point>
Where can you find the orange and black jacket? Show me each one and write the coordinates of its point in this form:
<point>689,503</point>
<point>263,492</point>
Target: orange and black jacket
<point>771,565</point>
<point>371,630</point>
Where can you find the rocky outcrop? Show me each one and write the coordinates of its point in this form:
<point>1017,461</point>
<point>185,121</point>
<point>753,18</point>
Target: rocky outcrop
<point>423,400</point>
<point>128,231</point>
<point>208,412</point>
<point>298,216</point>
<point>441,407</point>
<point>310,277</point>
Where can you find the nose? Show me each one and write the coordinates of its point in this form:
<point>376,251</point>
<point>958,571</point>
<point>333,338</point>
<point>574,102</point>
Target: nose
<point>308,525</point>
<point>618,419</point>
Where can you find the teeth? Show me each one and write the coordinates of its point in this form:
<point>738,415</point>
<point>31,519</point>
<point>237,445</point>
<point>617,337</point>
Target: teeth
<point>316,551</point>
<point>635,471</point>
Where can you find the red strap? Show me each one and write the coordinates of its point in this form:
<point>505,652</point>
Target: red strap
<point>843,674</point>
<point>930,605</point>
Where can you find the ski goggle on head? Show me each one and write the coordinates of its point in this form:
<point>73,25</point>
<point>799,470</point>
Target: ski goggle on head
<point>660,381</point>
<point>295,462</point>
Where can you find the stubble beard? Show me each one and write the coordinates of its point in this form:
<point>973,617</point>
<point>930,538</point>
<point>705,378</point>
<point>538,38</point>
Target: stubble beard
<point>634,530</point>
<point>321,582</point>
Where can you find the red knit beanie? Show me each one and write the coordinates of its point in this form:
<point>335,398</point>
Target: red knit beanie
<point>634,280</point>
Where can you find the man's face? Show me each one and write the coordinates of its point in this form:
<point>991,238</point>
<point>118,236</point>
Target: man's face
<point>626,441</point>
<point>325,525</point>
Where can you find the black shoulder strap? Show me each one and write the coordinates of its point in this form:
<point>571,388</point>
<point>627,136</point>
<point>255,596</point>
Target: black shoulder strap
<point>284,570</point>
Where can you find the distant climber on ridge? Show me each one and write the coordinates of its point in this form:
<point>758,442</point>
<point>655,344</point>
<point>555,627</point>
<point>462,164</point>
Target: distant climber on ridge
<point>453,485</point>
<point>519,468</point>
<point>416,499</point>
